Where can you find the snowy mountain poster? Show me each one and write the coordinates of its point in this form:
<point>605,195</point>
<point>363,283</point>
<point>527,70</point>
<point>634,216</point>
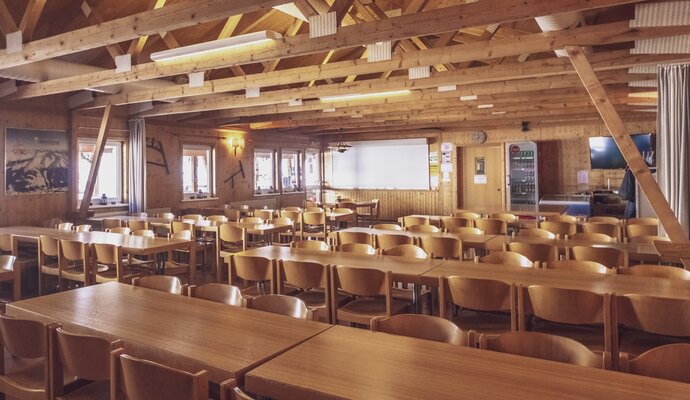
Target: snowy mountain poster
<point>36,161</point>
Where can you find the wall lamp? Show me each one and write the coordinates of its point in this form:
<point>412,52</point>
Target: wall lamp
<point>236,143</point>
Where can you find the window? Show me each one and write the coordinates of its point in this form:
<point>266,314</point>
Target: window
<point>289,171</point>
<point>264,171</point>
<point>197,170</point>
<point>311,169</point>
<point>109,178</point>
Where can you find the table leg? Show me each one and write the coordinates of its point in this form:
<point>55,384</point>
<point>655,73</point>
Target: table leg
<point>192,259</point>
<point>417,298</point>
<point>17,284</point>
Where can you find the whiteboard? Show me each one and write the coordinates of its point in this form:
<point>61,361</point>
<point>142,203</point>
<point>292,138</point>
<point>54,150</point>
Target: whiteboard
<point>382,164</point>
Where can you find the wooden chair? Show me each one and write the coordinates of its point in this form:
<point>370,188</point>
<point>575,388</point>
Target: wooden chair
<point>136,225</point>
<point>610,257</point>
<point>312,282</point>
<point>577,265</point>
<point>449,223</point>
<point>86,357</point>
<point>109,223</point>
<point>233,214</point>
<point>411,220</point>
<point>218,292</point>
<point>507,217</point>
<point>166,215</point>
<point>109,265</point>
<point>424,327</point>
<point>265,215</point>
<point>385,242</point>
<point>230,239</point>
<point>546,347</point>
<point>65,226</point>
<point>485,305</point>
<point>649,321</point>
<point>22,261</point>
<point>280,304</point>
<point>122,230</point>
<point>161,283</point>
<point>467,214</point>
<point>292,209</point>
<point>372,292</point>
<point>48,263</point>
<point>559,228</point>
<point>606,220</point>
<point>536,252</point>
<point>290,235</point>
<point>372,213</point>
<point>82,228</point>
<point>26,355</point>
<point>144,233</point>
<point>175,268</point>
<point>74,262</point>
<point>139,379</point>
<point>633,231</point>
<point>201,244</point>
<point>648,239</point>
<point>492,226</point>
<point>343,223</point>
<point>656,271</point>
<point>578,314</point>
<point>613,230</point>
<point>344,237</point>
<point>259,270</point>
<point>508,258</point>
<point>422,228</point>
<point>217,218</point>
<point>594,238</point>
<point>358,248</point>
<point>642,221</point>
<point>664,362</point>
<point>310,245</point>
<point>465,230</point>
<point>562,218</point>
<point>387,227</point>
<point>193,217</point>
<point>296,218</point>
<point>536,233</point>
<point>407,251</point>
<point>9,274</point>
<point>313,225</point>
<point>446,248</point>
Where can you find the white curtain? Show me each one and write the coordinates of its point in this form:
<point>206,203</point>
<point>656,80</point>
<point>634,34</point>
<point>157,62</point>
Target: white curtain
<point>673,135</point>
<point>137,165</point>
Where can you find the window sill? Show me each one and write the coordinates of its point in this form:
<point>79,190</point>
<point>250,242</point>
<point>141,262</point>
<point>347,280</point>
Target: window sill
<point>300,192</point>
<point>204,199</point>
<point>266,194</point>
<point>101,206</point>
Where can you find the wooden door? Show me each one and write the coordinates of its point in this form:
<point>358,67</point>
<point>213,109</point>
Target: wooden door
<point>481,177</point>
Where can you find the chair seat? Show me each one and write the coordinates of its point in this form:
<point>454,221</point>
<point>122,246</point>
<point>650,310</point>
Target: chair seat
<point>73,274</point>
<point>93,391</point>
<point>491,323</point>
<point>591,336</point>
<point>51,269</point>
<point>362,310</point>
<point>28,375</point>
<point>175,268</point>
<point>637,342</point>
<point>317,298</point>
<point>110,275</point>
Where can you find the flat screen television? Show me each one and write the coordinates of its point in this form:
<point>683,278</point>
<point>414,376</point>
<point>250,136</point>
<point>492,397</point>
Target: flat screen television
<point>604,153</point>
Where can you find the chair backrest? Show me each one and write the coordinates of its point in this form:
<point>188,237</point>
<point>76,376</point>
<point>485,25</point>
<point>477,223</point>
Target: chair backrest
<point>612,230</point>
<point>122,230</point>
<point>466,214</point>
<point>354,237</point>
<point>292,209</point>
<point>541,252</point>
<point>343,210</point>
<point>507,217</point>
<point>7,262</point>
<point>648,239</point>
<point>509,258</point>
<point>346,205</point>
<point>387,241</point>
<point>184,235</point>
<point>163,283</point>
<point>178,226</point>
<point>562,218</point>
<point>567,306</point>
<point>476,294</point>
<point>217,218</point>
<point>282,221</point>
<point>310,245</point>
<point>578,265</point>
<point>265,215</point>
<point>193,217</point>
<point>280,304</point>
<point>314,209</point>
<point>144,232</point>
<point>233,214</point>
<point>166,215</point>
<point>24,338</point>
<point>145,380</point>
<point>610,257</point>
<point>559,228</point>
<point>48,245</point>
<point>82,228</point>
<point>415,220</point>
<point>232,234</point>
<point>442,247</point>
<point>666,362</point>
<point>253,268</point>
<point>455,222</point>
<point>593,237</point>
<point>295,216</point>
<point>84,356</point>
<point>362,281</point>
<point>388,227</point>
<point>359,248</point>
<point>111,223</point>
<point>641,230</point>
<point>544,346</point>
<point>466,230</point>
<point>536,233</point>
<point>314,218</point>
<point>426,327</point>
<point>606,220</point>
<point>406,250</point>
<point>73,250</point>
<point>657,315</point>
<point>304,274</point>
<point>656,271</point>
<point>252,220</point>
<point>109,254</point>
<point>492,226</point>
<point>422,228</point>
<point>642,221</point>
<point>218,292</point>
<point>65,226</point>
<point>136,225</point>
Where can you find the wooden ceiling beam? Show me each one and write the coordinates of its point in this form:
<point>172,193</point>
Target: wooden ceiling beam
<point>33,12</point>
<point>138,44</point>
<point>178,15</point>
<point>7,23</point>
<point>93,16</point>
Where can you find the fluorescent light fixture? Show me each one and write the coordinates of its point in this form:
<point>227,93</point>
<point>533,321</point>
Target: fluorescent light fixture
<point>329,110</point>
<point>358,96</point>
<point>482,106</point>
<point>216,45</point>
<point>498,112</point>
<point>447,88</point>
<point>468,98</point>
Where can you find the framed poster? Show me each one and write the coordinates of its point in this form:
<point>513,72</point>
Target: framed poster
<point>36,161</point>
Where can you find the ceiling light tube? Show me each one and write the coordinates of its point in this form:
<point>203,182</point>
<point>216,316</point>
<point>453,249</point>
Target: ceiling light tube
<point>357,96</point>
<point>216,45</point>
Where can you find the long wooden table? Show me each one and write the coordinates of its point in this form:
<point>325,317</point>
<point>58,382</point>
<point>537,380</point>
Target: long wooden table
<point>180,331</point>
<point>473,241</point>
<point>345,363</point>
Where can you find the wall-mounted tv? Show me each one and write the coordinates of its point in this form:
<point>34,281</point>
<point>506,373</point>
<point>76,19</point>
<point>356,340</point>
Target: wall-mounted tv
<point>604,153</point>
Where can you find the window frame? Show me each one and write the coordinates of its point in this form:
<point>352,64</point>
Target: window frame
<point>121,177</point>
<point>211,154</point>
<point>317,156</point>
<point>274,172</point>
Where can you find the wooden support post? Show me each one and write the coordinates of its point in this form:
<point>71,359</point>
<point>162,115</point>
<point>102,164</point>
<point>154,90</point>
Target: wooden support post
<point>96,161</point>
<point>626,145</point>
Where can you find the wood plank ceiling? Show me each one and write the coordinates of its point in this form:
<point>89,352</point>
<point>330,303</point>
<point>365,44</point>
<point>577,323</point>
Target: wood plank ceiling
<point>502,65</point>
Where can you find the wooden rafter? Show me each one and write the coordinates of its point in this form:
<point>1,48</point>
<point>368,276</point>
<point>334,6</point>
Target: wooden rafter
<point>96,161</point>
<point>138,44</point>
<point>7,23</point>
<point>94,18</point>
<point>33,12</point>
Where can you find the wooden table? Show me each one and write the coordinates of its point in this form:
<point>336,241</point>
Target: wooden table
<point>346,363</point>
<point>180,331</point>
<point>676,251</point>
<point>473,241</point>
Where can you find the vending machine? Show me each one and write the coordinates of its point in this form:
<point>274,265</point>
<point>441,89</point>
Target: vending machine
<point>522,174</point>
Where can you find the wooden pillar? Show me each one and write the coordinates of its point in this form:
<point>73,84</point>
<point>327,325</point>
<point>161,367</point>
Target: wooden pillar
<point>626,145</point>
<point>96,161</point>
